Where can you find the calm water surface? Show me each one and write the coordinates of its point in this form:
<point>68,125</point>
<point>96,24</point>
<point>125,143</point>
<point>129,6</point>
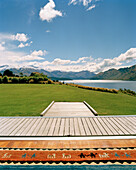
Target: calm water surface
<point>111,84</point>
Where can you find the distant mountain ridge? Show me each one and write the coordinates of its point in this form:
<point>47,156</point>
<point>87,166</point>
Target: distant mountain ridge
<point>53,74</point>
<point>128,73</point>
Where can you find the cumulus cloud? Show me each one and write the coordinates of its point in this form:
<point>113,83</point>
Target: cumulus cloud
<point>48,12</point>
<point>20,37</point>
<point>21,45</point>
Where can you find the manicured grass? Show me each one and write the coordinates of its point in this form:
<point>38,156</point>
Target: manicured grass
<point>32,99</point>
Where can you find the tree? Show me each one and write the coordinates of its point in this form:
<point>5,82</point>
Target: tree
<point>8,73</point>
<point>21,74</point>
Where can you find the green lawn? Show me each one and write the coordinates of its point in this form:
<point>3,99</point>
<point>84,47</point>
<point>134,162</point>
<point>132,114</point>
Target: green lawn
<point>32,99</point>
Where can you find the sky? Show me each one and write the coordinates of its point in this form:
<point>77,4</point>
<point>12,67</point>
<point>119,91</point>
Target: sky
<point>68,35</point>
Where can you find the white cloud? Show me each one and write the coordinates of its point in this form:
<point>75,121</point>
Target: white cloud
<point>21,45</point>
<point>84,2</point>
<point>1,46</point>
<point>20,37</point>
<point>91,7</point>
<point>48,12</point>
<point>48,31</point>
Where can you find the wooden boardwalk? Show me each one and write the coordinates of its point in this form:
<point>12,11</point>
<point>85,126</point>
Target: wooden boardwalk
<point>68,126</point>
<point>68,109</point>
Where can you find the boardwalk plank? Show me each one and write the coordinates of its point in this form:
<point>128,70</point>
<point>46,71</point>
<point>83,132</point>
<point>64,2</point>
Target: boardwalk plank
<point>86,127</point>
<point>8,124</point>
<point>81,127</point>
<point>46,130</point>
<point>112,126</point>
<point>72,133</point>
<point>34,127</point>
<point>102,129</point>
<point>21,130</point>
<point>119,127</point>
<point>105,125</point>
<point>92,129</point>
<point>62,125</point>
<point>56,131</point>
<point>43,126</point>
<point>124,124</point>
<point>76,127</point>
<point>52,128</point>
<point>95,126</point>
<point>11,129</point>
<point>67,124</point>
<point>130,122</point>
<point>15,131</point>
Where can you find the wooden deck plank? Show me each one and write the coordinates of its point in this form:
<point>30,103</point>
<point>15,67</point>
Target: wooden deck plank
<point>105,125</point>
<point>56,131</point>
<point>15,131</point>
<point>11,125</point>
<point>92,129</point>
<point>5,124</point>
<point>67,128</point>
<point>87,131</point>
<point>21,130</point>
<point>35,132</point>
<point>130,122</point>
<point>2,120</point>
<point>63,144</point>
<point>113,128</point>
<point>72,133</point>
<point>43,125</point>
<point>47,128</point>
<point>52,128</point>
<point>27,131</point>
<point>81,127</point>
<point>62,125</point>
<point>124,124</point>
<point>8,124</point>
<point>119,127</point>
<point>11,129</point>
<point>34,127</point>
<point>102,128</point>
<point>95,126</point>
<point>76,127</point>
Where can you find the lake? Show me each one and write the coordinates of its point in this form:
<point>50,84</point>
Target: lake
<point>110,84</point>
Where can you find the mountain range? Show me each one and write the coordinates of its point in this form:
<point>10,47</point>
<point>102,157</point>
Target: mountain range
<point>128,73</point>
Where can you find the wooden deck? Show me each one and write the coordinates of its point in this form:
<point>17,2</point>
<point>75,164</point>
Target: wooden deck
<point>68,109</point>
<point>68,126</point>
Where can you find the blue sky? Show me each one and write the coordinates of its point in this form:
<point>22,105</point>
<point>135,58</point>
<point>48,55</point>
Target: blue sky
<point>68,35</point>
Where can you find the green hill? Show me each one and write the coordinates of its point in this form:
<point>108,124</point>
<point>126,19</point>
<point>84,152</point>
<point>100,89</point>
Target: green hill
<point>128,73</point>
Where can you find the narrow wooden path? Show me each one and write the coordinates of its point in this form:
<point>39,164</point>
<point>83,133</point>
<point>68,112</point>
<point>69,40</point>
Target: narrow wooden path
<point>68,109</point>
<point>68,126</point>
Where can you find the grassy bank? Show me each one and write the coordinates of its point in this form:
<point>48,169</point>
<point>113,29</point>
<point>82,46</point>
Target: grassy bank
<point>32,99</point>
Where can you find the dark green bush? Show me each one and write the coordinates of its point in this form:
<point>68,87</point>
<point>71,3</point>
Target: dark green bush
<point>5,79</point>
<point>23,80</point>
<point>15,80</point>
<point>0,80</point>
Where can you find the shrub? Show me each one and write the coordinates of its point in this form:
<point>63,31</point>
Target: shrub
<point>0,80</point>
<point>5,79</point>
<point>49,81</point>
<point>23,80</point>
<point>15,80</point>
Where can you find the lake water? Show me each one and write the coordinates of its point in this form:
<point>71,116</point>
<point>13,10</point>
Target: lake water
<point>110,84</point>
